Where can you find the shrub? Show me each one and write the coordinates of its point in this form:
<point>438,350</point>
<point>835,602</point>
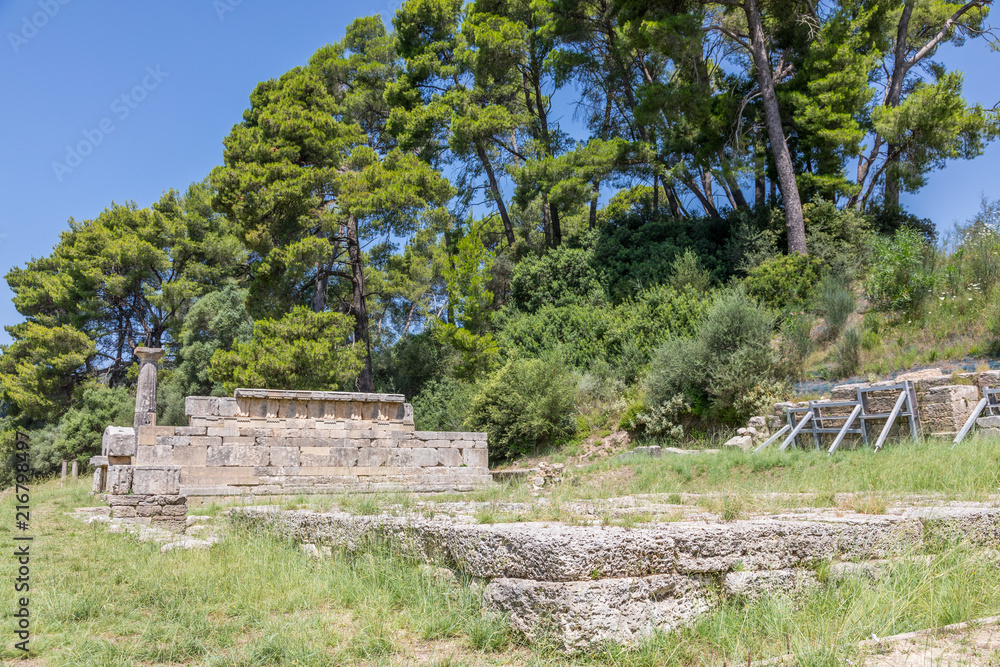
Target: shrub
<point>560,277</point>
<point>728,369</point>
<point>979,251</point>
<point>848,353</point>
<point>835,301</point>
<point>686,271</point>
<point>783,281</point>
<point>837,237</point>
<point>577,334</point>
<point>525,404</point>
<point>442,405</point>
<point>796,342</point>
<point>665,419</point>
<point>641,323</point>
<point>899,279</point>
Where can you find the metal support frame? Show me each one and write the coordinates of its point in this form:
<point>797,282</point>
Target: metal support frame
<point>906,404</point>
<point>819,419</point>
<point>988,402</point>
<point>845,429</point>
<point>782,431</point>
<point>807,416</point>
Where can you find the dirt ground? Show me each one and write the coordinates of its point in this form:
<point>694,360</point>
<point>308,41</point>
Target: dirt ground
<point>971,646</point>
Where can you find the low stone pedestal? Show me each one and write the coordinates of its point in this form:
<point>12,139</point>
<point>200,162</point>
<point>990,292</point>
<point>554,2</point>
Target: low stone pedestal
<point>166,512</point>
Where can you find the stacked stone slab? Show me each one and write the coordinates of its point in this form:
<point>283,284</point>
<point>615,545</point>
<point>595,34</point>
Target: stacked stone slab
<point>586,584</point>
<point>270,442</point>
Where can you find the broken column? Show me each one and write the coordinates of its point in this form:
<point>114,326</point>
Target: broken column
<point>145,392</point>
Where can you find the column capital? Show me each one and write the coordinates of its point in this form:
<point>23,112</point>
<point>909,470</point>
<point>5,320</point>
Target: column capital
<point>147,354</point>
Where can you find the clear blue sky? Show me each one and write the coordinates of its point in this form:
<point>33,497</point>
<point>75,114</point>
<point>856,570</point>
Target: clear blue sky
<point>185,70</point>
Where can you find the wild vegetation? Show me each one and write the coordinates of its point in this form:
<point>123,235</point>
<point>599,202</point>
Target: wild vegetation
<point>410,211</point>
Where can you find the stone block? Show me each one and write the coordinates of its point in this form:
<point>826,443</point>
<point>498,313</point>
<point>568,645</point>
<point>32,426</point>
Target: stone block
<point>173,440</point>
<point>228,407</point>
<point>450,457</point>
<point>475,457</point>
<point>374,457</point>
<point>201,406</point>
<point>223,431</point>
<point>123,512</point>
<point>190,456</point>
<point>237,455</point>
<point>123,500</point>
<point>988,422</point>
<point>98,461</point>
<point>174,524</point>
<point>118,441</point>
<point>146,435</point>
<point>155,455</point>
<point>283,456</point>
<point>120,479</point>
<point>753,585</point>
<point>744,442</point>
<point>151,480</point>
<point>989,379</point>
<point>174,510</point>
<point>145,509</point>
<point>191,430</point>
<point>205,441</point>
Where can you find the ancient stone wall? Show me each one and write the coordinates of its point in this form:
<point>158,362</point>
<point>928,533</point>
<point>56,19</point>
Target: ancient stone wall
<point>269,442</point>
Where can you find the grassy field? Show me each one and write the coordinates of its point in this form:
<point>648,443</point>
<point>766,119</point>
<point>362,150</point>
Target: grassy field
<point>99,598</point>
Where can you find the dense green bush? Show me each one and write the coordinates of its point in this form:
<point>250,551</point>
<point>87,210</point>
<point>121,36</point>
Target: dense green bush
<point>978,254</point>
<point>796,343</point>
<point>644,321</point>
<point>783,281</point>
<point>900,277</point>
<point>686,272</point>
<point>442,405</point>
<point>728,369</point>
<point>525,404</point>
<point>837,237</point>
<point>579,335</point>
<point>562,276</point>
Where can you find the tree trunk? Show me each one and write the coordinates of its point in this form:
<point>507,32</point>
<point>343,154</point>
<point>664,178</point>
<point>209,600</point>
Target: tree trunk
<point>495,190</point>
<point>359,309</point>
<point>775,133</point>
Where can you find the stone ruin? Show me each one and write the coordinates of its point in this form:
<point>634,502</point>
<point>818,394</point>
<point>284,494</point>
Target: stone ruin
<point>944,403</point>
<point>264,442</point>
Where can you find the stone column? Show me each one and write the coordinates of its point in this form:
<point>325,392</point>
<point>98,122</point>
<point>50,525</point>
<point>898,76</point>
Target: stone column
<point>145,393</point>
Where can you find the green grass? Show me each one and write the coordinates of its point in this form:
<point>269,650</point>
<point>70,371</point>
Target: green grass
<point>106,599</point>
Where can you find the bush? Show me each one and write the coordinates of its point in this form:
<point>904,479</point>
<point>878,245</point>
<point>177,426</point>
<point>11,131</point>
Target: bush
<point>796,343</point>
<point>848,353</point>
<point>562,276</point>
<point>577,334</point>
<point>665,419</point>
<point>899,279</point>
<point>835,301</point>
<point>978,254</point>
<point>837,237</point>
<point>526,404</point>
<point>686,272</point>
<point>783,281</point>
<point>728,369</point>
<point>442,405</point>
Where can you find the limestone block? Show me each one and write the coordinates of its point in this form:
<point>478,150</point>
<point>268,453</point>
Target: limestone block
<point>155,455</point>
<point>744,442</point>
<point>237,455</point>
<point>145,509</point>
<point>201,406</point>
<point>98,461</point>
<point>118,441</point>
<point>119,479</point>
<point>190,456</point>
<point>475,458</point>
<point>989,379</point>
<point>205,441</point>
<point>123,512</point>
<point>98,484</point>
<point>123,500</point>
<point>754,585</point>
<point>450,457</point>
<point>174,524</point>
<point>223,431</point>
<point>283,456</point>
<point>581,614</point>
<point>988,422</point>
<point>150,480</point>
<point>174,510</point>
<point>373,457</point>
<point>228,407</point>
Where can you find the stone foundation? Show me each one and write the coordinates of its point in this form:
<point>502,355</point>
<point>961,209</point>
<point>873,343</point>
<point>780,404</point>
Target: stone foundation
<point>166,512</point>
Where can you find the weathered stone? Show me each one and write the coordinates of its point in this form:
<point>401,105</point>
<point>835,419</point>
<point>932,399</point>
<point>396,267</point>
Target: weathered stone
<point>283,456</point>
<point>152,480</point>
<point>744,442</point>
<point>185,544</point>
<point>118,441</point>
<point>119,480</point>
<point>581,614</point>
<point>237,455</point>
<point>754,585</point>
<point>154,455</point>
<point>123,512</point>
<point>145,394</point>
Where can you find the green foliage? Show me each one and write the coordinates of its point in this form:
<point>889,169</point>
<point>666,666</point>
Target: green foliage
<point>796,343</point>
<point>302,350</point>
<point>216,321</point>
<point>579,335</point>
<point>835,301</point>
<point>665,419</point>
<point>80,429</point>
<point>526,404</point>
<point>687,272</point>
<point>442,405</point>
<point>561,277</point>
<point>476,355</point>
<point>899,279</point>
<point>978,254</point>
<point>466,275</point>
<point>783,281</point>
<point>42,368</point>
<point>848,353</point>
<point>728,369</point>
<point>838,237</point>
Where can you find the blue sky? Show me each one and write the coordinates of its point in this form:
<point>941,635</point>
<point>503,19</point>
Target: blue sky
<point>152,88</point>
